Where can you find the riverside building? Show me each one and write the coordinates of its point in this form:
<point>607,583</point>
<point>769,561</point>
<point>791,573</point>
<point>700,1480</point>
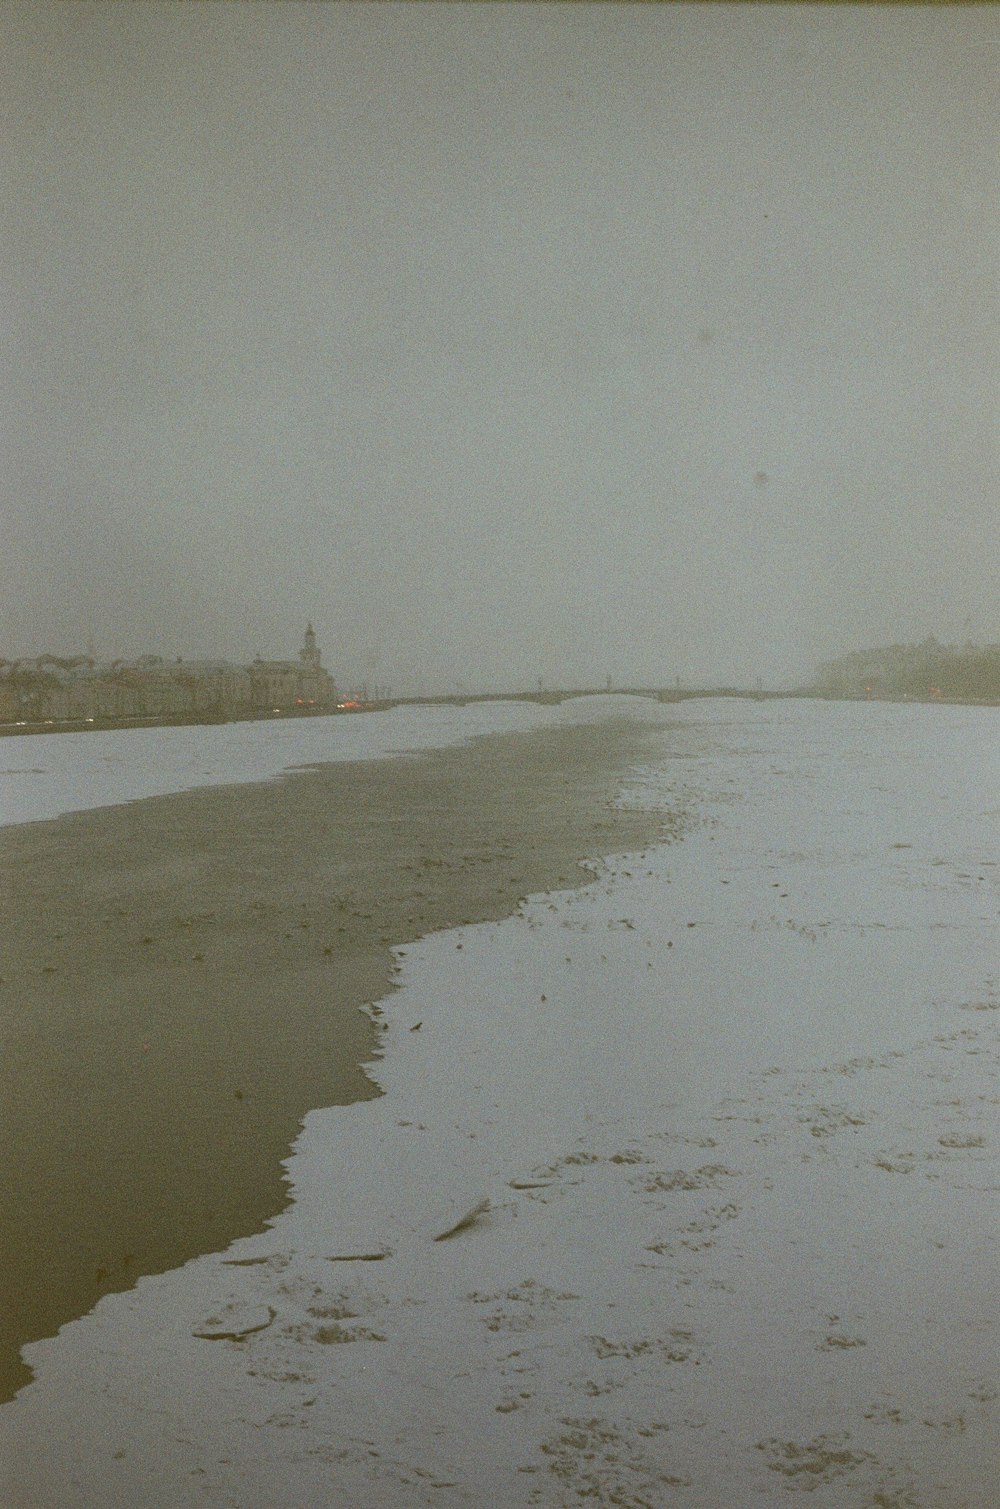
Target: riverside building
<point>80,690</point>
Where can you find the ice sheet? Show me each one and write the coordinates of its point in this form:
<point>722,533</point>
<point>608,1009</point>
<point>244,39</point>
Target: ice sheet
<point>728,1119</point>
<point>45,775</point>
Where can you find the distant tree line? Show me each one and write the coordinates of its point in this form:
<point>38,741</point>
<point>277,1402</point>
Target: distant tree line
<point>930,670</point>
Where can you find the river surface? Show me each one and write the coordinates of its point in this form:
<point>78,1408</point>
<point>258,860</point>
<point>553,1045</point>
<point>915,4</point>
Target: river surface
<point>718,1132</point>
<point>45,775</point>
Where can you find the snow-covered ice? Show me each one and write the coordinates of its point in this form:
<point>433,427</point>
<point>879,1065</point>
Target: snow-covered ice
<point>728,1115</point>
<point>45,775</point>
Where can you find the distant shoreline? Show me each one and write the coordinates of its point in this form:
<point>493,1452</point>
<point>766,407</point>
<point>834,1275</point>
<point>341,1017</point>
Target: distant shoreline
<point>463,699</point>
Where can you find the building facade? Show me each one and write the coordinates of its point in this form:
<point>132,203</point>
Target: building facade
<point>51,689</point>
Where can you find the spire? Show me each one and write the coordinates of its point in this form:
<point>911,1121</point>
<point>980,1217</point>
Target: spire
<point>309,654</point>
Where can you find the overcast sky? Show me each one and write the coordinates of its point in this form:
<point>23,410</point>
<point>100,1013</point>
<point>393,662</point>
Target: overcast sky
<point>505,342</point>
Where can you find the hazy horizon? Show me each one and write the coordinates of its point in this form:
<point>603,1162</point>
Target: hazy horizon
<point>504,342</point>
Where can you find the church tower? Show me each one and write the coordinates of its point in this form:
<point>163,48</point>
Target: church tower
<point>309,654</point>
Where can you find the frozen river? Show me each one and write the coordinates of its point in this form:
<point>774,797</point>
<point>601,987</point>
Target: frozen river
<point>45,775</point>
<point>724,1121</point>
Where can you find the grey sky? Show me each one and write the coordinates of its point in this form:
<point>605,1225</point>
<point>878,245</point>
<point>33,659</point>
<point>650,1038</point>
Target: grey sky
<point>505,342</point>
